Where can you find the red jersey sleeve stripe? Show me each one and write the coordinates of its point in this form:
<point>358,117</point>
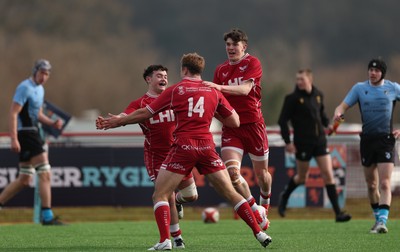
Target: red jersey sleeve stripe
<point>150,109</point>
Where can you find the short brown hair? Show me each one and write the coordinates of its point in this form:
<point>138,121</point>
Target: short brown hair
<point>193,62</point>
<point>236,35</point>
<point>306,71</point>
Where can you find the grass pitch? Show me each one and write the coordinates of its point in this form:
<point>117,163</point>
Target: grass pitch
<point>227,235</point>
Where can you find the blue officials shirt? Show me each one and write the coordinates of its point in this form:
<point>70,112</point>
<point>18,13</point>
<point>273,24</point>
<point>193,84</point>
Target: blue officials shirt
<point>30,96</point>
<point>376,105</point>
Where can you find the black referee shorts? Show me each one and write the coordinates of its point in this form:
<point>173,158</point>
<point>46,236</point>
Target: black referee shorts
<point>377,149</point>
<point>31,144</point>
<point>304,152</point>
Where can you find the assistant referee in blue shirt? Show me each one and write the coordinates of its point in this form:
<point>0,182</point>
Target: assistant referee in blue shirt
<point>376,98</point>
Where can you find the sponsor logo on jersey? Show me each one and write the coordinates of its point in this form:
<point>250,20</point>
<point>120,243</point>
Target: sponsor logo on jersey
<point>176,166</point>
<point>301,100</point>
<point>181,90</point>
<point>164,116</point>
<point>224,75</point>
<point>318,99</point>
<point>217,162</point>
<point>226,140</point>
<point>243,68</point>
<point>197,148</point>
<point>235,81</point>
<point>259,149</point>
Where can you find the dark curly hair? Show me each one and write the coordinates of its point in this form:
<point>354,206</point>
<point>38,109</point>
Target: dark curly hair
<point>150,69</point>
<point>236,35</point>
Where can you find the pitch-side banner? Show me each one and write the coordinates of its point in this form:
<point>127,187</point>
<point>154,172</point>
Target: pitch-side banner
<point>93,176</point>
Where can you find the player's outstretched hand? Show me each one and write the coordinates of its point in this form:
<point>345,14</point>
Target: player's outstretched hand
<point>110,122</point>
<point>396,133</point>
<point>99,123</point>
<point>212,85</point>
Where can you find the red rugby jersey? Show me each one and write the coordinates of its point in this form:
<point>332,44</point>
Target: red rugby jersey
<point>158,129</point>
<point>234,74</point>
<point>194,106</point>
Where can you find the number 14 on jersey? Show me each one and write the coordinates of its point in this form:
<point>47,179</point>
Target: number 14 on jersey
<point>198,108</point>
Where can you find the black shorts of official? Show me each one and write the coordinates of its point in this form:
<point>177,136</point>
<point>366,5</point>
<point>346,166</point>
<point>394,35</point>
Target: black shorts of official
<point>31,144</point>
<point>304,152</point>
<point>377,149</point>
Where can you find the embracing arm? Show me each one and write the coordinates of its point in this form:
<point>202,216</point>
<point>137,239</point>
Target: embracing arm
<point>115,121</point>
<point>231,121</point>
<point>242,89</point>
<point>138,116</point>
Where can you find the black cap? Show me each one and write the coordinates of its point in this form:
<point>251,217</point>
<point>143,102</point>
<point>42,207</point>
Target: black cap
<point>378,64</point>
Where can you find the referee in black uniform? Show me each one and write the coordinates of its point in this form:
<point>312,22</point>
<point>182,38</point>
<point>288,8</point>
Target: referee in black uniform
<point>304,108</point>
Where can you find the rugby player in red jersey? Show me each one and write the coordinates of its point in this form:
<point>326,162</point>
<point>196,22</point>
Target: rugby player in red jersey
<point>158,132</point>
<point>238,79</point>
<point>194,105</point>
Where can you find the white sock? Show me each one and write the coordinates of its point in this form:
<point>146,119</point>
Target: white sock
<point>264,201</point>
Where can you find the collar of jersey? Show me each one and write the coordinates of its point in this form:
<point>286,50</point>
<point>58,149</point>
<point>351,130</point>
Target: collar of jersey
<point>192,79</point>
<point>383,83</point>
<point>33,83</point>
<point>237,62</point>
<point>151,95</point>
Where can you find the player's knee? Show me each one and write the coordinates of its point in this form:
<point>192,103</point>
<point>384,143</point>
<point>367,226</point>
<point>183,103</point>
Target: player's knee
<point>189,193</point>
<point>234,174</point>
<point>43,168</point>
<point>385,185</point>
<point>24,180</point>
<point>155,197</point>
<point>233,167</point>
<point>372,186</point>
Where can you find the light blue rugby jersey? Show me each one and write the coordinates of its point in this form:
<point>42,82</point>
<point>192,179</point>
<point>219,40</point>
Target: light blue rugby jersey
<point>30,96</point>
<point>376,105</point>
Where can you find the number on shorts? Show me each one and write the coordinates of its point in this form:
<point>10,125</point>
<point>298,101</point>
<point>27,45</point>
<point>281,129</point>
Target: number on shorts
<point>198,108</point>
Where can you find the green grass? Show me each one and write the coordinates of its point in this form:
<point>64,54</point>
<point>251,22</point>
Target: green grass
<point>227,235</point>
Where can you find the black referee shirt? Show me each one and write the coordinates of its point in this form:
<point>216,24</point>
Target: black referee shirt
<point>306,113</point>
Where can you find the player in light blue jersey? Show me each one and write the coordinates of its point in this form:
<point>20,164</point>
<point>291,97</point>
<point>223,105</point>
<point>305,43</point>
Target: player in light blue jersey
<point>376,98</point>
<point>25,116</point>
